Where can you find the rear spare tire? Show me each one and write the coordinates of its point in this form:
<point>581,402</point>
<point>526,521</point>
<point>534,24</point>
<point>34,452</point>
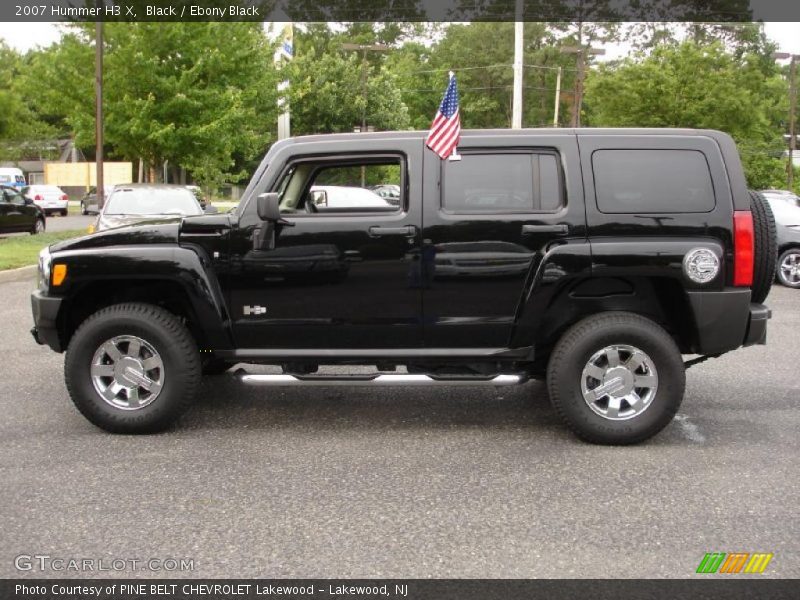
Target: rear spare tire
<point>766,247</point>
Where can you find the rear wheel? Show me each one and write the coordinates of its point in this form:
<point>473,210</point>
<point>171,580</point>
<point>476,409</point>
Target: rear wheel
<point>789,268</point>
<point>65,212</point>
<point>132,368</point>
<point>766,247</point>
<point>616,378</point>
<point>83,209</point>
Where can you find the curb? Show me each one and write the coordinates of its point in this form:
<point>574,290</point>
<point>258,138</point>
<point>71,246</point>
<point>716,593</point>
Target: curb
<point>21,274</point>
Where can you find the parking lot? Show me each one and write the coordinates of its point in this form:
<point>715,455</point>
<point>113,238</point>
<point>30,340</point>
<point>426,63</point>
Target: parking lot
<point>459,482</point>
<point>69,223</point>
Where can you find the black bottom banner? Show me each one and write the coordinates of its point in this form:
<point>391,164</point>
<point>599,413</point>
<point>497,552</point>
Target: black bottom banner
<point>411,589</point>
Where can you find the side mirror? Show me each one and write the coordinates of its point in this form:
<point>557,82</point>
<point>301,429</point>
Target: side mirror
<point>268,207</point>
<point>28,200</point>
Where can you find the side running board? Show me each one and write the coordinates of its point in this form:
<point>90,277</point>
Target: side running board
<point>379,380</point>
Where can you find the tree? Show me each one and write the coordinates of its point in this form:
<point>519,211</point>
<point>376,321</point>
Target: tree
<point>201,96</point>
<point>326,95</point>
<point>20,128</point>
<point>701,86</point>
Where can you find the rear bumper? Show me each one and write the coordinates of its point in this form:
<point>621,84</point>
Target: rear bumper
<point>45,316</point>
<point>727,320</point>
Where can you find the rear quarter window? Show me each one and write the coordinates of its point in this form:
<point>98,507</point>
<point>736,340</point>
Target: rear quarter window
<point>652,181</point>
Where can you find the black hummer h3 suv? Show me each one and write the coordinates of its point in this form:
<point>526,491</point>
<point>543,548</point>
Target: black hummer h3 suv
<point>594,258</point>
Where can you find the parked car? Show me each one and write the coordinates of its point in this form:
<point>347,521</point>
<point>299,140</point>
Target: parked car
<point>641,246</point>
<point>133,203</point>
<point>389,192</point>
<point>18,213</point>
<point>787,220</point>
<point>50,198</point>
<point>89,202</point>
<point>12,177</point>
<point>198,192</point>
<point>783,196</point>
<point>335,198</point>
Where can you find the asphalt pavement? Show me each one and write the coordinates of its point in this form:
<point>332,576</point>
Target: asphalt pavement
<point>68,223</point>
<point>452,482</point>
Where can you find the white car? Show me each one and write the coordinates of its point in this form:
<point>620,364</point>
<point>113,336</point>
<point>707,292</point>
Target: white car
<point>331,198</point>
<point>50,198</point>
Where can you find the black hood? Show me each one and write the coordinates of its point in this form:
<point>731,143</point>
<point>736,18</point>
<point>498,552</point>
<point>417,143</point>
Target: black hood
<point>145,232</point>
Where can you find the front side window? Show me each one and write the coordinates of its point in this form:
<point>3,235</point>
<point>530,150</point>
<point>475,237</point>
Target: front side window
<point>652,181</point>
<point>351,186</point>
<point>523,182</point>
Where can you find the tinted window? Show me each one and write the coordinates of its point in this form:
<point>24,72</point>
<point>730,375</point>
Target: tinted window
<point>652,181</point>
<point>502,183</point>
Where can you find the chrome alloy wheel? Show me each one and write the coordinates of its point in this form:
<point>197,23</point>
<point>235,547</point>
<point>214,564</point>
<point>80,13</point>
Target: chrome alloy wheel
<point>619,382</point>
<point>127,372</point>
<point>789,269</point>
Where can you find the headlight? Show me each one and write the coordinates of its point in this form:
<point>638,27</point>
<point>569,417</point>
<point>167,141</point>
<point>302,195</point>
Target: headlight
<point>45,261</point>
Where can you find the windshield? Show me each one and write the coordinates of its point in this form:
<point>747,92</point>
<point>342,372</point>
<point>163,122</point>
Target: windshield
<point>152,201</point>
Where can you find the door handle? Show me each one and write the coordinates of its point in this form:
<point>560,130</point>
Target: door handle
<point>377,231</point>
<point>560,228</point>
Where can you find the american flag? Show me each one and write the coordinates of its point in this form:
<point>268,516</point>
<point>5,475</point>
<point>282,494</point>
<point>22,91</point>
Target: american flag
<point>446,128</point>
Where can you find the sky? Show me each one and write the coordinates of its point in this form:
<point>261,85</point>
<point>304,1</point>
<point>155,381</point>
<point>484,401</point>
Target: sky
<point>24,36</point>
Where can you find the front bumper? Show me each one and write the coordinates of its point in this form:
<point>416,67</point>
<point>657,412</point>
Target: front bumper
<point>45,317</point>
<point>727,320</point>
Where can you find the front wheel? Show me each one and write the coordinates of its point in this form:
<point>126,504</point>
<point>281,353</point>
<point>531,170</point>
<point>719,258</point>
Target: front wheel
<point>132,368</point>
<point>38,227</point>
<point>616,378</point>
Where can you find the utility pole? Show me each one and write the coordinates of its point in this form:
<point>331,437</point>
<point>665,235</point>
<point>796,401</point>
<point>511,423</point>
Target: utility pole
<point>519,29</point>
<point>364,48</point>
<point>284,53</point>
<point>98,115</point>
<point>583,53</point>
<point>792,111</point>
<point>558,98</point>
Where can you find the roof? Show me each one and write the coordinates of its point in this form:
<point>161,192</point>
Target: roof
<point>473,133</point>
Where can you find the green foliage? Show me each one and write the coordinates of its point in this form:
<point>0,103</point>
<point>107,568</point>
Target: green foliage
<point>699,86</point>
<point>199,95</point>
<point>19,126</point>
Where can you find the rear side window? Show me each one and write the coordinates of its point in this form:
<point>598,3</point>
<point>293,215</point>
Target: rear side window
<point>502,183</point>
<point>652,181</point>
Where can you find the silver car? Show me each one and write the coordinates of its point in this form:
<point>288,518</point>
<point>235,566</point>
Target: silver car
<point>134,203</point>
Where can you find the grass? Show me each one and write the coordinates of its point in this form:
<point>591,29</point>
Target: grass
<point>23,250</point>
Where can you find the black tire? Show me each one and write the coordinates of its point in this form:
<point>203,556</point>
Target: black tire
<point>211,366</point>
<point>586,338</point>
<point>166,334</point>
<point>39,226</point>
<point>786,278</point>
<point>766,247</point>
<point>64,213</point>
<point>84,212</point>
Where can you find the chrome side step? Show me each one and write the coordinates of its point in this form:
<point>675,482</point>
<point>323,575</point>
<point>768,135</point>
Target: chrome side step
<point>379,379</point>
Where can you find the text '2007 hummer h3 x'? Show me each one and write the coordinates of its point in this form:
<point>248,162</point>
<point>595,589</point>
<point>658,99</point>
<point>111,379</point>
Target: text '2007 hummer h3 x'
<point>592,258</point>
